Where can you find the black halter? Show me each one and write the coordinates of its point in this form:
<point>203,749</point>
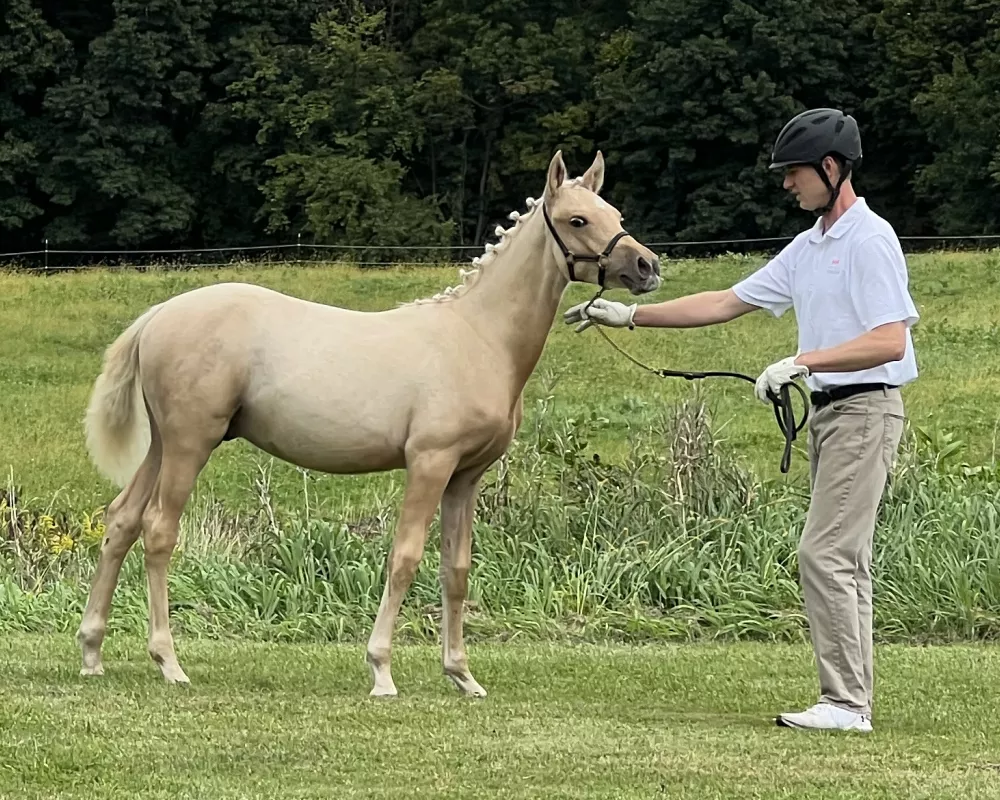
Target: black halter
<point>602,259</point>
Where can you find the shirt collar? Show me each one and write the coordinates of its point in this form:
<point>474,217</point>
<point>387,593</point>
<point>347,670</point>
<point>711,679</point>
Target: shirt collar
<point>846,221</point>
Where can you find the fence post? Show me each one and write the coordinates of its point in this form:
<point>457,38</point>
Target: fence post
<point>46,255</point>
<point>298,248</point>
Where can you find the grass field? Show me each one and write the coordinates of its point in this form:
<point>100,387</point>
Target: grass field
<point>582,572</point>
<point>295,721</point>
<point>679,532</point>
<point>53,331</point>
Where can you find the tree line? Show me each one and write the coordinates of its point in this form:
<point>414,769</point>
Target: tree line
<point>158,123</point>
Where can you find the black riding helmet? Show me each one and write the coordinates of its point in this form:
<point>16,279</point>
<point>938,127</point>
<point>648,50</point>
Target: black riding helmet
<point>811,136</point>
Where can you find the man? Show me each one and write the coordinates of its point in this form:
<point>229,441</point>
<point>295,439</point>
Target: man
<point>846,279</point>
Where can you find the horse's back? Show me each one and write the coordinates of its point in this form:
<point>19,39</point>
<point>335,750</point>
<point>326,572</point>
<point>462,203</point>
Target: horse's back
<point>265,304</point>
<point>325,387</point>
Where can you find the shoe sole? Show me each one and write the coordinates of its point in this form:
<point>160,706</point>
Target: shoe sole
<point>781,722</point>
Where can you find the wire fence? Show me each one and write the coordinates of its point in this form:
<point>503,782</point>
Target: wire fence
<point>54,260</point>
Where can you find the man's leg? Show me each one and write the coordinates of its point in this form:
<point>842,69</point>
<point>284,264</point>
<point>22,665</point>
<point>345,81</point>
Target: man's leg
<point>854,442</point>
<point>893,416</point>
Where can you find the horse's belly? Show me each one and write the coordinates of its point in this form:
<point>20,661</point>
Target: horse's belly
<point>340,441</point>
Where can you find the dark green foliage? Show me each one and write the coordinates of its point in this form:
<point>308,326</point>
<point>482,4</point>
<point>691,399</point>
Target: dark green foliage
<point>143,124</point>
<point>32,56</point>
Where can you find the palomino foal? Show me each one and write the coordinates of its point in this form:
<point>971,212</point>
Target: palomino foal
<point>433,387</point>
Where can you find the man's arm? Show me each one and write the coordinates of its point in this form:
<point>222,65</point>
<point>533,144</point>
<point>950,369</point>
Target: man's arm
<point>692,311</point>
<point>768,288</point>
<point>879,346</point>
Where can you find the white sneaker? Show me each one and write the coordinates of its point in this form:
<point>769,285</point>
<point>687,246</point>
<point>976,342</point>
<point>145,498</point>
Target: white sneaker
<point>824,716</point>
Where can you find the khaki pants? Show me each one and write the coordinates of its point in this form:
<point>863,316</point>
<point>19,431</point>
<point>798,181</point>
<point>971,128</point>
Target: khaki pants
<point>852,447</point>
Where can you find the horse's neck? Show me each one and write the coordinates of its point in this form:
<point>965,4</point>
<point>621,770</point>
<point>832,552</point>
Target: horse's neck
<point>516,297</point>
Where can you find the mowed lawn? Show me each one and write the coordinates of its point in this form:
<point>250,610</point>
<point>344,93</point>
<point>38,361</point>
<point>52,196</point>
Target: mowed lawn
<point>282,721</point>
<point>54,329</point>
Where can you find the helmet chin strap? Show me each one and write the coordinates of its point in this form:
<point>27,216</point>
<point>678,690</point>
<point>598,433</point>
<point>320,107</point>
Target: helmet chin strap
<point>834,190</point>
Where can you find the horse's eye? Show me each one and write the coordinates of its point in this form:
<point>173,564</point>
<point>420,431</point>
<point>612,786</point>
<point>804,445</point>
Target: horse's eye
<point>578,222</point>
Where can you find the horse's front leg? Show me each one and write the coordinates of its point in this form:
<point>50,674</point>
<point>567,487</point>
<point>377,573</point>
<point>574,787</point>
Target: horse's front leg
<point>458,507</point>
<point>427,475</point>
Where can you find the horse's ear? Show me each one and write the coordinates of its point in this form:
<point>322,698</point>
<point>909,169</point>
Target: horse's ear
<point>593,178</point>
<point>557,173</point>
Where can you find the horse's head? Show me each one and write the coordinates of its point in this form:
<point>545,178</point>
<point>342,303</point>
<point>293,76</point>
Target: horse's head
<point>587,233</point>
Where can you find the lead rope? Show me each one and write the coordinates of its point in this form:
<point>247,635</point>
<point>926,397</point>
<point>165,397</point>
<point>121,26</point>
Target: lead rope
<point>782,404</point>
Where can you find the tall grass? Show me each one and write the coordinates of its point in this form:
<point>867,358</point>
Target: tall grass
<point>54,329</point>
<point>676,539</point>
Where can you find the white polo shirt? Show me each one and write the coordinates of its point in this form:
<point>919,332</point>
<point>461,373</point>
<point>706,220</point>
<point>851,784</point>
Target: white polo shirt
<point>841,285</point>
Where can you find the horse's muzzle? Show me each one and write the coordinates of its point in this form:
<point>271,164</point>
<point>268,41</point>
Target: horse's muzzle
<point>648,268</point>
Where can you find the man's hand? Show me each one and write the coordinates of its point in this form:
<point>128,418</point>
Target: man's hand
<point>777,375</point>
<point>603,312</point>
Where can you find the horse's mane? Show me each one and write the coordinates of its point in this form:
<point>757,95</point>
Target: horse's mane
<point>492,251</point>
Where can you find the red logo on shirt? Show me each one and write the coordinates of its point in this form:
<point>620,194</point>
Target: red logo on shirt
<point>836,261</point>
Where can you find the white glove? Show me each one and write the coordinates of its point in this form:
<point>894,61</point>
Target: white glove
<point>603,312</point>
<point>777,375</point>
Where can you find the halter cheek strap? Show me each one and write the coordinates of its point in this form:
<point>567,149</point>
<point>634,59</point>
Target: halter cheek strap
<point>602,259</point>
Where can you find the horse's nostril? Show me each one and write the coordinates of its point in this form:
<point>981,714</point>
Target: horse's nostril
<point>644,267</point>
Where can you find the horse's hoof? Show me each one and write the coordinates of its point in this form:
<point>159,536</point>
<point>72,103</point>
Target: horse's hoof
<point>174,675</point>
<point>466,684</point>
<point>382,683</point>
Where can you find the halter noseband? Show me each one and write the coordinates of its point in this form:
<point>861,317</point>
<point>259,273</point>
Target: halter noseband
<point>571,258</point>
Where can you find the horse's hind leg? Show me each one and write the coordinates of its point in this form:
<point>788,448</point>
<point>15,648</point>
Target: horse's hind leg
<point>458,506</point>
<point>427,475</point>
<point>161,521</point>
<point>123,525</point>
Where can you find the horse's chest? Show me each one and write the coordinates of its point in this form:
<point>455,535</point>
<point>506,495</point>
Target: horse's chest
<point>486,438</point>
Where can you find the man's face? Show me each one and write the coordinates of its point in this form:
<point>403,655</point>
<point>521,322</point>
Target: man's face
<point>807,186</point>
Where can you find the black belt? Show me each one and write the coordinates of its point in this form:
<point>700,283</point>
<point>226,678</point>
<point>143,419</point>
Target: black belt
<point>823,398</point>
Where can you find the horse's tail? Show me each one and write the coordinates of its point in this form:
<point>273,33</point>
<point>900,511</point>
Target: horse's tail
<point>116,424</point>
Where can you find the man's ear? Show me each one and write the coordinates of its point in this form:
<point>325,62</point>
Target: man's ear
<point>832,168</point>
